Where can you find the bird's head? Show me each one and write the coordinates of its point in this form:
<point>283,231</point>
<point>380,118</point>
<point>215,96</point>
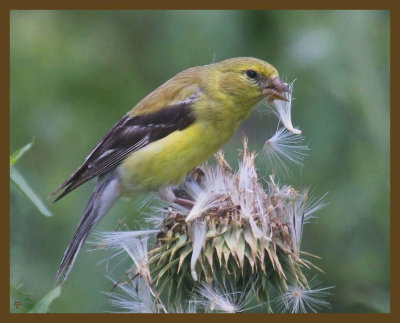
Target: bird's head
<point>248,80</point>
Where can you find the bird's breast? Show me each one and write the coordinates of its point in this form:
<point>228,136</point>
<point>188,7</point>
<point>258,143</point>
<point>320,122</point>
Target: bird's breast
<point>168,160</point>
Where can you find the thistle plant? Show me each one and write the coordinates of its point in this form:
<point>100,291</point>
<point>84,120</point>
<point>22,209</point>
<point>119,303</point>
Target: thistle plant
<point>225,240</point>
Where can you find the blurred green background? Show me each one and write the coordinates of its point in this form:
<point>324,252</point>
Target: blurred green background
<point>75,73</point>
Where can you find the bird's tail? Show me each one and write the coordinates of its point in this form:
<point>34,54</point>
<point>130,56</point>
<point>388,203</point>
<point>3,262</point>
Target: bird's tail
<point>105,194</point>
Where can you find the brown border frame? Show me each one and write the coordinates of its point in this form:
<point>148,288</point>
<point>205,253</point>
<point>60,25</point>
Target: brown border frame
<point>8,5</point>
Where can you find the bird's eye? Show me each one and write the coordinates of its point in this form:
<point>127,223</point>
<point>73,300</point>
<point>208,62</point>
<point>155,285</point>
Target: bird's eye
<point>251,74</point>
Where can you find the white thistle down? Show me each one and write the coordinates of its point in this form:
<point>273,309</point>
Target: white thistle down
<point>313,205</point>
<point>249,194</point>
<point>117,239</point>
<point>284,147</point>
<point>205,197</point>
<point>298,299</point>
<point>221,299</point>
<point>136,297</point>
<point>184,306</point>
<point>282,110</point>
<point>136,248</point>
<point>197,230</point>
<point>156,219</point>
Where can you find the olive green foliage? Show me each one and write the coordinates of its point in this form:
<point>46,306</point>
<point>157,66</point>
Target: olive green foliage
<point>75,73</point>
<point>22,302</point>
<point>18,181</point>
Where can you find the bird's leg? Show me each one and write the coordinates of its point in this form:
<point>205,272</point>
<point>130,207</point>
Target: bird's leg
<point>167,194</point>
<point>184,202</point>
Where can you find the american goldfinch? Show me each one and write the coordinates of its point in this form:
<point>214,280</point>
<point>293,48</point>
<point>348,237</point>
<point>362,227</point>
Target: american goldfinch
<point>167,134</point>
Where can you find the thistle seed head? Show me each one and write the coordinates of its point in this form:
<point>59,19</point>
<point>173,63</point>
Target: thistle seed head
<point>238,228</point>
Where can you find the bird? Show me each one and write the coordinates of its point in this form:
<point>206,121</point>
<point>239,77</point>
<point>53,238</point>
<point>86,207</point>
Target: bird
<point>167,134</point>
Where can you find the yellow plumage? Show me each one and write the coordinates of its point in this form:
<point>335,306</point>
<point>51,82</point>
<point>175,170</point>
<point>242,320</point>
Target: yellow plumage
<point>168,160</point>
<point>167,134</point>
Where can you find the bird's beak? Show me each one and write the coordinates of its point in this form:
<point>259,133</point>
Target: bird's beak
<point>275,89</point>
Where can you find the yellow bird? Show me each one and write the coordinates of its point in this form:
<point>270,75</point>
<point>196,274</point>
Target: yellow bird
<point>167,134</point>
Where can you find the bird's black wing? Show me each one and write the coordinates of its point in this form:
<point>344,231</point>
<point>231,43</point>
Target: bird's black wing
<point>131,133</point>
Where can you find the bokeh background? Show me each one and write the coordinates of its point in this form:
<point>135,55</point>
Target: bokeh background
<point>75,73</point>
